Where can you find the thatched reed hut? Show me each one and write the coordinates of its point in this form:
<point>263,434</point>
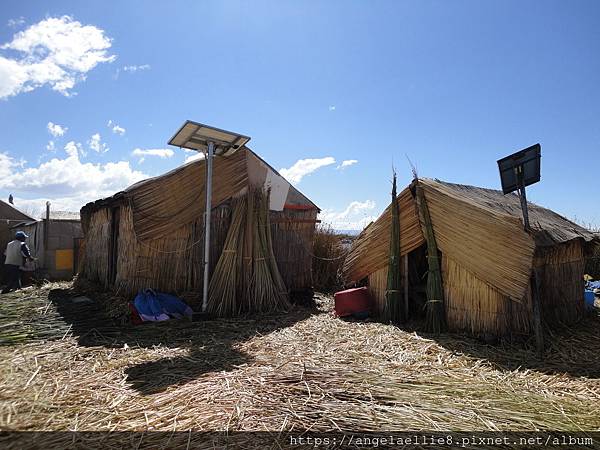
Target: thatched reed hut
<point>151,234</point>
<point>487,259</point>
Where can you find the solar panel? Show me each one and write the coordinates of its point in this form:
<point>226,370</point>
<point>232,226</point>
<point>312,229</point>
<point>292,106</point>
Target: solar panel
<point>196,136</point>
<point>520,169</point>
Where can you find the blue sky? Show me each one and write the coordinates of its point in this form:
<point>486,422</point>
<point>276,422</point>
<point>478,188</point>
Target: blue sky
<point>452,85</point>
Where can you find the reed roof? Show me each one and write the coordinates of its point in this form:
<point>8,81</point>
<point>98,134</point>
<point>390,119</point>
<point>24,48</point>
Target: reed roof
<point>547,226</point>
<point>175,198</point>
<point>479,229</point>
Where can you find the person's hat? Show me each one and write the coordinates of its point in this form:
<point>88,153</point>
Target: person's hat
<point>21,235</point>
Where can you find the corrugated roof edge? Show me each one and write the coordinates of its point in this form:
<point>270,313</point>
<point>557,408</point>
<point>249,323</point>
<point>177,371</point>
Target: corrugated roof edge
<point>16,209</point>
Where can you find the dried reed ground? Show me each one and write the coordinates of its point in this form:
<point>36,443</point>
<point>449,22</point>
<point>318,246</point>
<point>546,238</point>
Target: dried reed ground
<point>320,373</point>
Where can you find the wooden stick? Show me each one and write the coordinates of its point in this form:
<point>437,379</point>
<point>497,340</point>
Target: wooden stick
<point>537,316</point>
<point>405,284</point>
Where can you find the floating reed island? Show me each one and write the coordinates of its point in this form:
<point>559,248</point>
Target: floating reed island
<point>288,372</point>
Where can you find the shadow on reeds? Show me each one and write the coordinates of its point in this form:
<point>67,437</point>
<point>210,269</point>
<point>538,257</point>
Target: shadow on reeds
<point>572,351</point>
<point>211,343</point>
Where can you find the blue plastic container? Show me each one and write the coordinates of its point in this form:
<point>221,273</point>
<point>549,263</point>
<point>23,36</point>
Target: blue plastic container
<point>589,299</point>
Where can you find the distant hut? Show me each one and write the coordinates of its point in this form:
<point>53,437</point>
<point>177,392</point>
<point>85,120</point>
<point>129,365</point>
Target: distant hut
<point>487,259</point>
<point>10,216</point>
<point>55,242</point>
<point>151,234</point>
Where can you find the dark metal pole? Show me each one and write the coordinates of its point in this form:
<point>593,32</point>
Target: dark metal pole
<point>522,196</point>
<point>537,313</point>
<point>535,279</point>
<point>46,234</point>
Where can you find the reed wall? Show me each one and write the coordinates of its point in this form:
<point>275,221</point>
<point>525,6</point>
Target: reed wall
<point>173,263</point>
<point>329,251</point>
<point>94,264</point>
<point>292,232</point>
<point>476,307</point>
<point>560,270</point>
<point>377,288</point>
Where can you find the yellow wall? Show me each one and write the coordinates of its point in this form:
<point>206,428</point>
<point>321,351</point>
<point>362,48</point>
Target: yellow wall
<point>64,259</point>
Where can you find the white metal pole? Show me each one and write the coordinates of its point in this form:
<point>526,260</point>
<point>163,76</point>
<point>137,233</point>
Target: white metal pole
<point>207,215</point>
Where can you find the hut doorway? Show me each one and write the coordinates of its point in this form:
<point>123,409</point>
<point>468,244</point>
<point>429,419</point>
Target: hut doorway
<point>413,270</point>
<point>417,281</point>
<point>114,245</point>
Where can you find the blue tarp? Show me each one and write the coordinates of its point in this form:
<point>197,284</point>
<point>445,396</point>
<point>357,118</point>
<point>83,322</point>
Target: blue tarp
<point>157,306</point>
<point>589,295</point>
<point>591,285</point>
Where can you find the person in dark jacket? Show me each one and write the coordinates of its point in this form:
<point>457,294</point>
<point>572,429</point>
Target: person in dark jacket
<point>16,252</point>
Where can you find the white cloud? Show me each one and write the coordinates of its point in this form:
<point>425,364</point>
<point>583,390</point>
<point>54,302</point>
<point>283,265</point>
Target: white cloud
<point>134,69</point>
<point>97,145</point>
<point>50,146</point>
<point>115,128</point>
<point>56,130</point>
<point>7,164</point>
<point>196,156</point>
<point>347,163</point>
<point>331,107</point>
<point>67,183</point>
<point>356,216</point>
<point>159,152</point>
<point>14,23</point>
<point>73,148</point>
<point>57,52</point>
<point>304,167</point>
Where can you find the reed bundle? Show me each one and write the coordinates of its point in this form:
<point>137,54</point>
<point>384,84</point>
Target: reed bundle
<point>435,314</point>
<point>267,291</point>
<point>246,277</point>
<point>280,287</point>
<point>303,370</point>
<point>223,291</point>
<point>394,310</point>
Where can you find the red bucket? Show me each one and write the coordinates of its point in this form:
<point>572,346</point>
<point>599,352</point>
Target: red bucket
<point>353,302</point>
